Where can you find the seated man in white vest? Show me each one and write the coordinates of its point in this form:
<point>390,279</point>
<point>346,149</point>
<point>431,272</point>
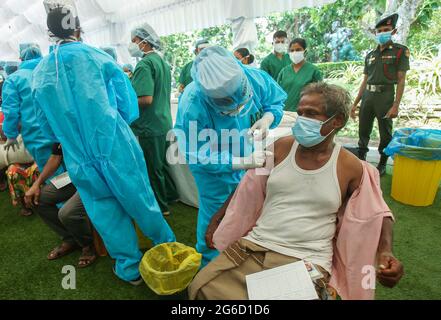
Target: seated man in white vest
<point>314,186</point>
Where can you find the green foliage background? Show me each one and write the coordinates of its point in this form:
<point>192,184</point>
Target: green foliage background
<point>312,24</point>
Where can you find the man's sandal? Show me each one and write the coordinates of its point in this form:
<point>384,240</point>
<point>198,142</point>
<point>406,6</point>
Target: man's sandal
<point>25,212</point>
<point>88,256</point>
<point>61,251</point>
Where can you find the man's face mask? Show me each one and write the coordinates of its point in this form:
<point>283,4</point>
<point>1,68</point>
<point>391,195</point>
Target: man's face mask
<point>383,37</point>
<point>134,49</point>
<point>281,47</point>
<point>307,131</point>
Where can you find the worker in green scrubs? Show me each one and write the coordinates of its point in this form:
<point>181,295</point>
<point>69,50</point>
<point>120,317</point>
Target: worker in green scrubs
<point>185,76</point>
<point>276,61</point>
<point>298,74</point>
<point>152,83</point>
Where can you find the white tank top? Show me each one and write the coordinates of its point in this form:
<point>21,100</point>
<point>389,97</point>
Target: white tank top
<point>300,210</point>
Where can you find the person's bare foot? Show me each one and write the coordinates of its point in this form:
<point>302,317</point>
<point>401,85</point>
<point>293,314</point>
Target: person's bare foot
<point>24,211</point>
<point>88,256</point>
<point>64,249</point>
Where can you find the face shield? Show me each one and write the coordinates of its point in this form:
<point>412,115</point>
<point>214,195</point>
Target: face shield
<point>235,104</point>
<point>222,80</point>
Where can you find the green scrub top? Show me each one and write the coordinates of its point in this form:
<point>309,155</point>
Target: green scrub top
<point>152,77</point>
<point>293,82</point>
<point>185,76</point>
<point>273,65</point>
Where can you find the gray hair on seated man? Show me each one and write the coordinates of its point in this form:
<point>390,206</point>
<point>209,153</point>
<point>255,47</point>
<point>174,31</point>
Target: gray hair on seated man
<point>337,99</point>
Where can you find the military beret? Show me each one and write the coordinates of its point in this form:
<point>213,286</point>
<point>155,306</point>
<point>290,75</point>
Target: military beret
<point>389,20</point>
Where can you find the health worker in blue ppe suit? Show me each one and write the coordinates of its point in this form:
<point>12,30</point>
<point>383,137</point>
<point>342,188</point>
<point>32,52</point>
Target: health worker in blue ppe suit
<point>128,70</point>
<point>18,108</point>
<point>224,95</point>
<point>10,68</point>
<point>86,103</point>
<point>110,51</point>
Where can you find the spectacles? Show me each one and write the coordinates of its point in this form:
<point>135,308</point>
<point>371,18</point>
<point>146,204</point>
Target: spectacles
<point>223,102</point>
<point>234,111</point>
<point>238,109</point>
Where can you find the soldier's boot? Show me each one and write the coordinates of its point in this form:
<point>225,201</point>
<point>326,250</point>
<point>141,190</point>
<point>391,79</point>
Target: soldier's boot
<point>382,165</point>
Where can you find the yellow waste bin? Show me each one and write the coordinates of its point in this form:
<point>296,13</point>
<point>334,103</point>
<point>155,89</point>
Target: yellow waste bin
<point>169,268</point>
<point>417,165</point>
<point>415,182</point>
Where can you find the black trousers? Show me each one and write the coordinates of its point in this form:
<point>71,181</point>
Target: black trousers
<point>375,105</point>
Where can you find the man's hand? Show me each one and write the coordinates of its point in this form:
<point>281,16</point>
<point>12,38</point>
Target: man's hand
<point>32,196</point>
<point>390,270</point>
<point>11,143</point>
<point>354,112</point>
<point>392,113</point>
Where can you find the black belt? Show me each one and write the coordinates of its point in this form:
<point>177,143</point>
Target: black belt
<point>380,87</point>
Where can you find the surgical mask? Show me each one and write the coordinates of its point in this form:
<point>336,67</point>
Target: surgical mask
<point>297,56</point>
<point>128,74</point>
<point>384,37</point>
<point>135,51</point>
<point>307,131</point>
<point>280,47</point>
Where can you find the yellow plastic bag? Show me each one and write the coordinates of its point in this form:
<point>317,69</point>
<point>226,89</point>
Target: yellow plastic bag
<point>169,268</point>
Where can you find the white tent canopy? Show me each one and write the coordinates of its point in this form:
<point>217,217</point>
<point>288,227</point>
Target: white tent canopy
<point>108,22</point>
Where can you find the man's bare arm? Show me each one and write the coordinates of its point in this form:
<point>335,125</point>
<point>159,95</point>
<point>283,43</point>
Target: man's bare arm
<point>386,237</point>
<point>32,196</point>
<point>393,111</point>
<point>390,269</point>
<point>361,91</point>
<point>145,101</point>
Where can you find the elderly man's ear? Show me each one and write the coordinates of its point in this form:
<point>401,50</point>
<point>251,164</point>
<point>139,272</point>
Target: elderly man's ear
<point>339,121</point>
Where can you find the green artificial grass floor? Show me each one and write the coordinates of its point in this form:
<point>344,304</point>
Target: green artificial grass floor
<point>25,273</point>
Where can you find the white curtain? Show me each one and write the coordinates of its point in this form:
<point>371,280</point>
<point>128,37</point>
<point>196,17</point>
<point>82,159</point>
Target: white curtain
<point>108,22</point>
<point>244,33</point>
